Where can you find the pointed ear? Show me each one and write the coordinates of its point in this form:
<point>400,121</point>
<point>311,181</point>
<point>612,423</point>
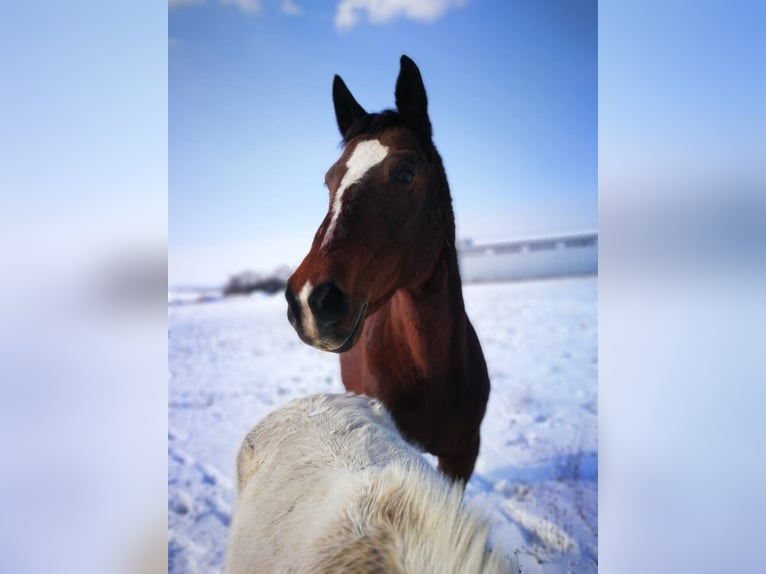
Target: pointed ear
<point>411,98</point>
<point>347,109</point>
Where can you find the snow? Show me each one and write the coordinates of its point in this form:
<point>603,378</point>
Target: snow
<point>234,360</point>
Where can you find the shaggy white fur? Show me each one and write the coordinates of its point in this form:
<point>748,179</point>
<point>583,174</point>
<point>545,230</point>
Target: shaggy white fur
<point>327,484</point>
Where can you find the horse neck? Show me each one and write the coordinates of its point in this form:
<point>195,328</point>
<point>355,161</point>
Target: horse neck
<point>432,317</point>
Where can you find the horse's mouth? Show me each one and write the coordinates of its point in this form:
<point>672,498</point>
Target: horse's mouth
<point>353,335</point>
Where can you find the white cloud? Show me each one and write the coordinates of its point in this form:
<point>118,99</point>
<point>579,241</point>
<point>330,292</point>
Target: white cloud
<point>177,3</point>
<point>382,11</point>
<point>290,8</point>
<point>247,6</point>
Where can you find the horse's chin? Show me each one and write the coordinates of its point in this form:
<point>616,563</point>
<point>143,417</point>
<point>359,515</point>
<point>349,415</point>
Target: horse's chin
<point>353,335</point>
<point>332,342</point>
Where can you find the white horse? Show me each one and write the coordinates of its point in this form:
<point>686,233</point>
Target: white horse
<point>327,484</point>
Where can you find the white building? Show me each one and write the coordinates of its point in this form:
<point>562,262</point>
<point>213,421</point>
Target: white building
<point>555,256</point>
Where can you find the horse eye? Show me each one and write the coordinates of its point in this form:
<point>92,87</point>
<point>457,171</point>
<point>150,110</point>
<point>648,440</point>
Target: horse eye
<point>404,174</point>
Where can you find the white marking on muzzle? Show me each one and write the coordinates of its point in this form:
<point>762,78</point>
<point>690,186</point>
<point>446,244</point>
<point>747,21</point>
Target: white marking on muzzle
<point>309,325</point>
<point>366,155</point>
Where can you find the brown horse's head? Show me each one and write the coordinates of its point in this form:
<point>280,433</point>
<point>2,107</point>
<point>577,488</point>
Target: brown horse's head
<point>389,216</point>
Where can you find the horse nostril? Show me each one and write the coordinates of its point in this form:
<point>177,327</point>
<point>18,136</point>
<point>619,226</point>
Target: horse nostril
<point>328,303</point>
<point>293,308</point>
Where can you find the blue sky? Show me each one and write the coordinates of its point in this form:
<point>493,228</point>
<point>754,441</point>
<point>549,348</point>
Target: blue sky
<point>251,131</point>
<point>681,92</point>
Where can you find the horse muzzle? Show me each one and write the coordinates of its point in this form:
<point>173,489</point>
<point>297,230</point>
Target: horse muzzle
<point>325,317</point>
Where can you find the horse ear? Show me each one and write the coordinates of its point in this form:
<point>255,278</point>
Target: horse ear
<point>347,109</point>
<point>411,98</point>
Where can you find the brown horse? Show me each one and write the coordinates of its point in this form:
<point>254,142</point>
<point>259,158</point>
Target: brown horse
<point>381,283</point>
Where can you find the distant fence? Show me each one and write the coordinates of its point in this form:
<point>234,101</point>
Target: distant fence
<point>559,256</point>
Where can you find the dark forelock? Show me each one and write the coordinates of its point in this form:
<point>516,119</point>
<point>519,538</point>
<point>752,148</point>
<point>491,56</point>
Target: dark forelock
<point>373,124</point>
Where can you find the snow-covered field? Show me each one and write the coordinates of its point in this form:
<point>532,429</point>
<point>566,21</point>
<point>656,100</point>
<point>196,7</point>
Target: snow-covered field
<point>234,360</point>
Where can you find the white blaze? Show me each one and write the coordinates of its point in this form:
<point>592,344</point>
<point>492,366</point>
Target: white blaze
<point>308,317</point>
<point>366,155</point>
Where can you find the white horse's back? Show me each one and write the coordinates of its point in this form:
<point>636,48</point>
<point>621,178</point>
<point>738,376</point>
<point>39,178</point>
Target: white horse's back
<point>327,484</point>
